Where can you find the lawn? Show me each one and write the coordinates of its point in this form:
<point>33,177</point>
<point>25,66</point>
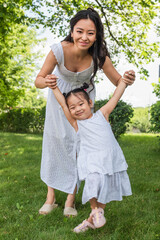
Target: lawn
<point>22,193</point>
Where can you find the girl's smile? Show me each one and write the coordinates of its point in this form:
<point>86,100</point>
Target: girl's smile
<point>79,108</point>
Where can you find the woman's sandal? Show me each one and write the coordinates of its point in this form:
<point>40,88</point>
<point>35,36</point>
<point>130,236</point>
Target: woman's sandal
<point>70,211</point>
<point>84,226</point>
<point>47,208</point>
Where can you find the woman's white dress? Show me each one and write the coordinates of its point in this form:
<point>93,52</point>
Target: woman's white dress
<point>58,165</point>
<point>101,162</point>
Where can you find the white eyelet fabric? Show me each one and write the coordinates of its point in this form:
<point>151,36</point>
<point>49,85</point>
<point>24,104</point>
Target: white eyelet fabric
<point>58,165</point>
<point>101,162</point>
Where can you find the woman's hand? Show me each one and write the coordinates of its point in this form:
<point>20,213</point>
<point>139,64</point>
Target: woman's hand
<point>129,77</point>
<point>51,81</point>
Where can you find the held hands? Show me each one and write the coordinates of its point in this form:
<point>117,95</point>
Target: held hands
<point>129,77</point>
<point>51,81</point>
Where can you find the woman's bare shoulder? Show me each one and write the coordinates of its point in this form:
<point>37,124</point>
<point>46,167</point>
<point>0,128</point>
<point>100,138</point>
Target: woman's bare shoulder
<point>66,44</point>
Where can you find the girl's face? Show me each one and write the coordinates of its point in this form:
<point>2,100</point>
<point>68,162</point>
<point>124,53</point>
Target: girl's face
<point>79,107</point>
<point>84,34</point>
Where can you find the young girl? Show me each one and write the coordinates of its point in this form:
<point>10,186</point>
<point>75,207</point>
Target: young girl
<point>100,160</point>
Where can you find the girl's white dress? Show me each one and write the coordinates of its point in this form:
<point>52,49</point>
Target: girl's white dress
<point>101,162</point>
<point>58,165</point>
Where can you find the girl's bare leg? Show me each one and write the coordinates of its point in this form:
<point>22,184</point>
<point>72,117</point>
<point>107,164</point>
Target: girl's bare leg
<point>101,205</point>
<point>94,204</point>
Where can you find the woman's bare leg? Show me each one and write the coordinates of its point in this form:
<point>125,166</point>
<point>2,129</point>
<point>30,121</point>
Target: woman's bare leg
<point>50,196</point>
<point>71,198</point>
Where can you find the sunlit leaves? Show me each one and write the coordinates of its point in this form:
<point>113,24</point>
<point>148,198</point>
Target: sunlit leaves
<point>127,24</point>
<point>17,58</point>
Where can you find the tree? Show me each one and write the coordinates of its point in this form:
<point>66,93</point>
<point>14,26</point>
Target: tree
<point>17,58</point>
<point>127,25</point>
<point>155,110</point>
<point>156,88</point>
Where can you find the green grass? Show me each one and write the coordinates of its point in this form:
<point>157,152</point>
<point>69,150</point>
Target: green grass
<point>22,193</point>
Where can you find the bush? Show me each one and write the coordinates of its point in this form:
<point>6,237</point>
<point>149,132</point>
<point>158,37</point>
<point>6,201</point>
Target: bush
<point>23,120</point>
<point>155,117</point>
<point>120,116</point>
<point>140,120</point>
<point>31,120</point>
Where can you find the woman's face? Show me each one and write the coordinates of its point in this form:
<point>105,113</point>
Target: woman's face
<point>84,34</point>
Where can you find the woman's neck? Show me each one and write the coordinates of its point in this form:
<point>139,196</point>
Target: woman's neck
<point>78,53</point>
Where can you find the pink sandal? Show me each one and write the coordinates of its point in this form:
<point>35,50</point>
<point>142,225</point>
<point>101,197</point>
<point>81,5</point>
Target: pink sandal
<point>84,226</point>
<point>97,215</point>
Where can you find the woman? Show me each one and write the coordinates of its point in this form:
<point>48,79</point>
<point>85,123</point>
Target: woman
<point>75,60</point>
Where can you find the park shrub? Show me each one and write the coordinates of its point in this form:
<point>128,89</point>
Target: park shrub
<point>155,117</point>
<point>120,116</point>
<point>140,120</point>
<point>31,120</point>
<point>23,120</point>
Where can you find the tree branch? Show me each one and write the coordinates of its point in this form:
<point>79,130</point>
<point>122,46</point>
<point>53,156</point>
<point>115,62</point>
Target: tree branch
<point>107,23</point>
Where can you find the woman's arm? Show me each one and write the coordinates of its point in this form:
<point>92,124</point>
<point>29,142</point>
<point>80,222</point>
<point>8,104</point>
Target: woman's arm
<point>114,76</point>
<point>43,80</point>
<point>111,104</point>
<point>61,100</point>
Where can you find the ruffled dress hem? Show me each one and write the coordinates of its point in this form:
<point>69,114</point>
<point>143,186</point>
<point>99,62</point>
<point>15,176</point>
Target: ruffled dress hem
<point>106,188</point>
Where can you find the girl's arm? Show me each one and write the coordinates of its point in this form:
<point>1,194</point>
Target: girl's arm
<point>111,104</point>
<point>61,100</point>
<point>114,76</point>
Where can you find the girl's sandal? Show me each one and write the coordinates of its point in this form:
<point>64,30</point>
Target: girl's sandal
<point>84,226</point>
<point>47,208</point>
<point>98,218</point>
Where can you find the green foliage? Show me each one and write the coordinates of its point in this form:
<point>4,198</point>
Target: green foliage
<point>155,110</point>
<point>155,117</point>
<point>127,25</point>
<point>33,98</point>
<point>17,58</point>
<point>120,116</point>
<point>23,120</point>
<point>156,88</point>
<point>140,120</point>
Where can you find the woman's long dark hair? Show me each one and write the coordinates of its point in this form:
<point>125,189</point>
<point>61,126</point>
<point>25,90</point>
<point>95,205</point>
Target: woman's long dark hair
<point>98,50</point>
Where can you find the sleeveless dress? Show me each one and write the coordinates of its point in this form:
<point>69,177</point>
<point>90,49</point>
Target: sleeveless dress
<point>101,162</point>
<point>58,165</point>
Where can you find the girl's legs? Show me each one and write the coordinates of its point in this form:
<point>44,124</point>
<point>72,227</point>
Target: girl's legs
<point>101,205</point>
<point>96,218</point>
<point>94,204</point>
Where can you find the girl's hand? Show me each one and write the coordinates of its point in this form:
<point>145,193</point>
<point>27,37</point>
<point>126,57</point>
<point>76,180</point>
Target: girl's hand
<point>129,77</point>
<point>51,81</point>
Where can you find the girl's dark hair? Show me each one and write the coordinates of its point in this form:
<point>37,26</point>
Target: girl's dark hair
<point>78,90</point>
<point>98,50</point>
